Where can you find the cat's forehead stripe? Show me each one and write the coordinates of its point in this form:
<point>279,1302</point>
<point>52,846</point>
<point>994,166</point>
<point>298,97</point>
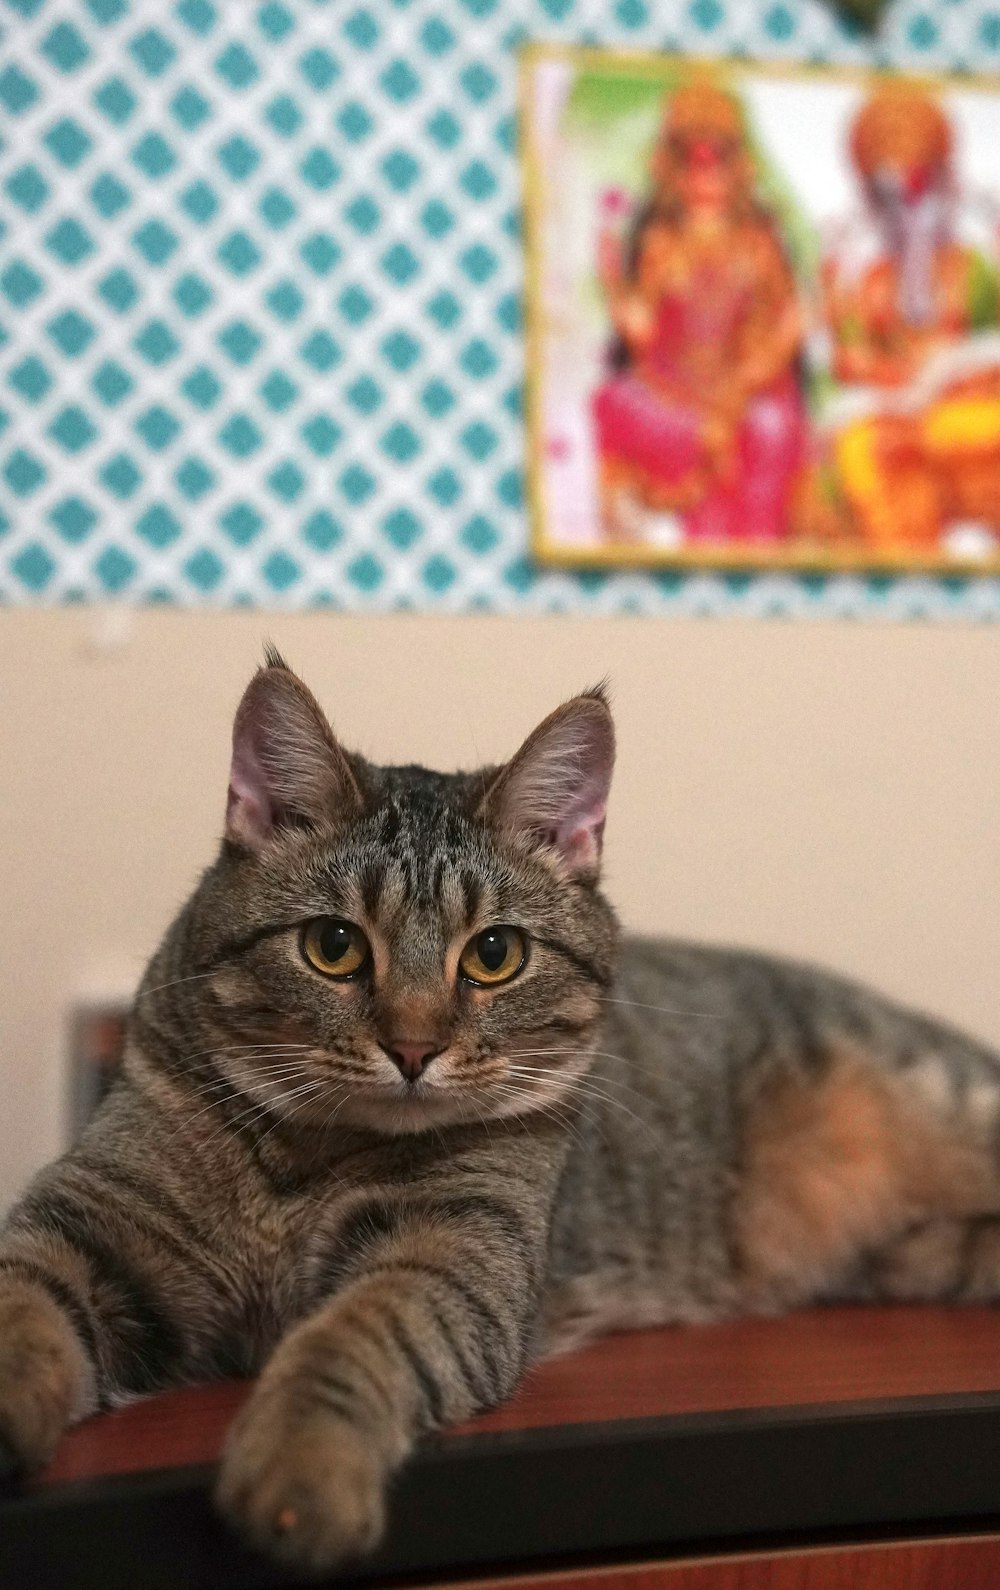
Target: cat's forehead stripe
<point>429,886</point>
<point>391,885</point>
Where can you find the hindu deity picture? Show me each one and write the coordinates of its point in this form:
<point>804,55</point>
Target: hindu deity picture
<point>764,315</point>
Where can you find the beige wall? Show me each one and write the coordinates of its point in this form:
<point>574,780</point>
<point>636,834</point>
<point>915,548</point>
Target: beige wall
<point>829,790</point>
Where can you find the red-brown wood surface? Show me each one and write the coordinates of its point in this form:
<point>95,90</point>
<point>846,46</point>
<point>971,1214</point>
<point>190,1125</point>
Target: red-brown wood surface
<point>920,1565</point>
<point>821,1356</point>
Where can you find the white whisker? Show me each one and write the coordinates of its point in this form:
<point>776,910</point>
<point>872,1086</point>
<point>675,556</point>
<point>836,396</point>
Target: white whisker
<point>157,988</point>
<point>665,1010</point>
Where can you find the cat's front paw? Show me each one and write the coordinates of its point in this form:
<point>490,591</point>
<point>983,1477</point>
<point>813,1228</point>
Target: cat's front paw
<point>307,1488</point>
<point>45,1380</point>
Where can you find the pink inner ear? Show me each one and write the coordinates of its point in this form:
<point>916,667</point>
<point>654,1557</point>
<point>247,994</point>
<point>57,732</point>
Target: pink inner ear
<point>580,837</point>
<point>249,812</point>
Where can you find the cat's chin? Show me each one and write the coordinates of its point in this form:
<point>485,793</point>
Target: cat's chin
<point>399,1114</point>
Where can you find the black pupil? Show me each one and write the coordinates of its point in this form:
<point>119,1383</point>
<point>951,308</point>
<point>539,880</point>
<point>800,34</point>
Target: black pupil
<point>335,941</point>
<point>491,948</point>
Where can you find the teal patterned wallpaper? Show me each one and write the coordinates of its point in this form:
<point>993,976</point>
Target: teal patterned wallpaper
<point>260,282</point>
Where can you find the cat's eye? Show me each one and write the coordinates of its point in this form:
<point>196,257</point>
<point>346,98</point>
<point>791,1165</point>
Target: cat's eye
<point>336,948</point>
<point>493,956</point>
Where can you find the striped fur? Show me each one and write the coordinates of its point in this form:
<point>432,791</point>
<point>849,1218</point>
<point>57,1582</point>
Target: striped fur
<point>610,1139</point>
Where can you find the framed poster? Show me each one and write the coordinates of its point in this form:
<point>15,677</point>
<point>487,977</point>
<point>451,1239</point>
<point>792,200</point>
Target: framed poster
<point>763,314</point>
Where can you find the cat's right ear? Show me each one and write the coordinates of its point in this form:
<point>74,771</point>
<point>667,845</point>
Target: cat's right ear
<point>287,768</point>
<point>555,791</point>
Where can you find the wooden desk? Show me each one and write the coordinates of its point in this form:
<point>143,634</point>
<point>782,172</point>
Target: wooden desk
<point>640,1457</point>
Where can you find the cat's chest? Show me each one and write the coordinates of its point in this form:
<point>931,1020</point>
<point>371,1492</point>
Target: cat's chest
<point>268,1245</point>
<point>288,1221</point>
<point>282,1226</point>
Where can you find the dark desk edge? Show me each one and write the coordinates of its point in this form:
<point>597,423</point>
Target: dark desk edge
<point>530,1499</point>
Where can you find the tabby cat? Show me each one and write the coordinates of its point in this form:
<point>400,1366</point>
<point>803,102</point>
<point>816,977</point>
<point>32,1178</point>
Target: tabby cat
<point>396,1118</point>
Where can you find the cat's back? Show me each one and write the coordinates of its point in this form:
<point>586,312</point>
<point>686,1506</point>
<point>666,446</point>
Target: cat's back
<point>716,1007</point>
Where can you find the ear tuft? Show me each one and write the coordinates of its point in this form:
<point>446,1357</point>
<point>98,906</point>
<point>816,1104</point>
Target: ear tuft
<point>287,768</point>
<point>554,792</point>
<point>273,657</point>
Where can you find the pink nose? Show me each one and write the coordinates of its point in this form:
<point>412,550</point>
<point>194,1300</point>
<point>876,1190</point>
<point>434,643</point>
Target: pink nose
<point>410,1055</point>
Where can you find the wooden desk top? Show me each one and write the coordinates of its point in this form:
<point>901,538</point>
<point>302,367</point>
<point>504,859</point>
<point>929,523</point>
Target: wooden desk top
<point>817,1423</point>
<point>822,1356</point>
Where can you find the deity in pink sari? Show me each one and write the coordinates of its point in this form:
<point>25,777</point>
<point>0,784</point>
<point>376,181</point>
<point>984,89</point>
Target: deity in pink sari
<point>701,417</point>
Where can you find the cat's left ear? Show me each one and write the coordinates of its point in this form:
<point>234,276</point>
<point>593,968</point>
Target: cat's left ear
<point>288,770</point>
<point>554,792</point>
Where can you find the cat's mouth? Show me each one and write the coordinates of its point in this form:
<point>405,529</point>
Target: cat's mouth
<point>450,1090</point>
<point>410,1107</point>
<point>436,1098</point>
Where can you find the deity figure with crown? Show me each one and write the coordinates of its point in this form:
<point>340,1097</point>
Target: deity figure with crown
<point>910,305</point>
<point>699,419</point>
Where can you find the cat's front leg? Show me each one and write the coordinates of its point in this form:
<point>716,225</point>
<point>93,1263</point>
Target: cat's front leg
<point>105,1294</point>
<point>432,1324</point>
<point>46,1374</point>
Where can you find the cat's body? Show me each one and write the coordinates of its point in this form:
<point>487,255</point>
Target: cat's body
<point>760,1134</point>
<point>385,1153</point>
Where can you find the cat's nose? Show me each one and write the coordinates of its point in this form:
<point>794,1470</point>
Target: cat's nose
<point>411,1055</point>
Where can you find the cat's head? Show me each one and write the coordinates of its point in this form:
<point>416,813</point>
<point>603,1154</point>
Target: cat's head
<point>394,948</point>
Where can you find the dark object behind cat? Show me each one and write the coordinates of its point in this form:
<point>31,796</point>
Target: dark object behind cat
<point>396,1116</point>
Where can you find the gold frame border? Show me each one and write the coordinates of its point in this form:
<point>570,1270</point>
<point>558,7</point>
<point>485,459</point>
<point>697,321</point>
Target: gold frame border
<point>759,560</point>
